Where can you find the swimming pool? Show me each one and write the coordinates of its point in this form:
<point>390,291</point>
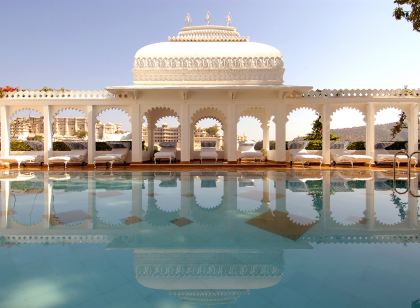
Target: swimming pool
<point>296,238</point>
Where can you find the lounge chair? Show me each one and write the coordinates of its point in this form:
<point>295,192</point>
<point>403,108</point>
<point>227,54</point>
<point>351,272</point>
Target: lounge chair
<point>341,155</point>
<point>118,155</point>
<point>247,151</point>
<point>208,150</point>
<point>19,159</point>
<point>75,156</point>
<point>167,151</point>
<point>385,157</point>
<point>300,155</point>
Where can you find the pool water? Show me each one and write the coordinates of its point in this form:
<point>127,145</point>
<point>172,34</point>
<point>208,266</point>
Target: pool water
<point>298,238</point>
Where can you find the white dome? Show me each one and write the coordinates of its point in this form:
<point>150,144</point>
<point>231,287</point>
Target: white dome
<point>208,55</point>
<point>207,50</point>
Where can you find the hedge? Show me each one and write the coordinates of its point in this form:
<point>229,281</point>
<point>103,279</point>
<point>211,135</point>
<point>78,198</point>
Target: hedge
<point>60,146</point>
<point>357,145</point>
<point>16,145</point>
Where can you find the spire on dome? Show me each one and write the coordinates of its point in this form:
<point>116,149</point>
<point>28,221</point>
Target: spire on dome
<point>188,20</point>
<point>229,20</point>
<point>208,18</point>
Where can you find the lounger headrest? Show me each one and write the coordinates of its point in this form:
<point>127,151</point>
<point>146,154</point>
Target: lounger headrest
<point>167,144</point>
<point>208,144</point>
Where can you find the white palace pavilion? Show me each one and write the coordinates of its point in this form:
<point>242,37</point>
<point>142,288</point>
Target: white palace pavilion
<point>209,71</point>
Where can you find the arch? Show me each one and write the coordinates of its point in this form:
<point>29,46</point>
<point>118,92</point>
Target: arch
<point>390,209</point>
<point>209,112</point>
<point>60,109</point>
<point>155,113</point>
<point>299,122</point>
<point>387,111</point>
<point>110,128</point>
<point>291,111</point>
<point>68,127</point>
<point>260,113</point>
<point>208,191</point>
<point>343,108</point>
<point>23,125</point>
<point>99,110</point>
<point>16,112</point>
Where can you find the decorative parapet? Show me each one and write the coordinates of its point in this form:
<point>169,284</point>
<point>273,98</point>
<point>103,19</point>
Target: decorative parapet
<point>214,70</point>
<point>58,94</point>
<point>352,93</point>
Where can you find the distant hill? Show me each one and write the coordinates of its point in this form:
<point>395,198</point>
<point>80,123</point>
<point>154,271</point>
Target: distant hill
<point>382,133</point>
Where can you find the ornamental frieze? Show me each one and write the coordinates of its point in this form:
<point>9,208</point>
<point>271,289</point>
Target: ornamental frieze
<point>210,63</point>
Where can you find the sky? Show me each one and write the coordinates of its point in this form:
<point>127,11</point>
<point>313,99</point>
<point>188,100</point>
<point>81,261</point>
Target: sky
<point>91,44</point>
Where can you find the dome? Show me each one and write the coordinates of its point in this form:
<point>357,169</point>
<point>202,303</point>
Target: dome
<point>208,55</point>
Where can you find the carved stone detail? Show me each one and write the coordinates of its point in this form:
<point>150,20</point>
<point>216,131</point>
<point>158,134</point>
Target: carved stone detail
<point>211,69</point>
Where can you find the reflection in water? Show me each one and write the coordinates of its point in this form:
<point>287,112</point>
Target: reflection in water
<point>206,237</point>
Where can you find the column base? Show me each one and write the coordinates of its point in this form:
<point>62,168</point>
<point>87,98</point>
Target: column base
<point>185,162</point>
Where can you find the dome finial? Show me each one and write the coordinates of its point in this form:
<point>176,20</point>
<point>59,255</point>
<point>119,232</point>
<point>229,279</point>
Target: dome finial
<point>188,20</point>
<point>229,20</point>
<point>208,18</point>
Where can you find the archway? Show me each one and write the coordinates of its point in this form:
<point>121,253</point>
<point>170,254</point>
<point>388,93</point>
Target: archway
<point>163,126</point>
<point>26,130</point>
<point>113,124</point>
<point>299,127</point>
<point>69,129</point>
<point>348,125</point>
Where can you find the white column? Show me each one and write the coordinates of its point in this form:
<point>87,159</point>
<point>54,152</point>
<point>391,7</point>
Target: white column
<point>48,190</point>
<point>370,204</point>
<point>136,195</point>
<point>91,191</point>
<point>187,194</point>
<point>91,120</point>
<point>4,205</point>
<point>413,128</point>
<point>281,192</point>
<point>230,189</point>
<point>266,190</point>
<point>231,140</point>
<point>326,199</point>
<point>150,139</point>
<point>325,120</point>
<point>185,133</point>
<point>266,138</point>
<point>5,131</point>
<point>136,133</point>
<point>370,129</point>
<point>281,120</point>
<point>47,133</point>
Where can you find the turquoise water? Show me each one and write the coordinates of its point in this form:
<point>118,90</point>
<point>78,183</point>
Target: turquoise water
<point>246,239</point>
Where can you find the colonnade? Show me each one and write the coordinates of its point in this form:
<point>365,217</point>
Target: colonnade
<point>261,105</point>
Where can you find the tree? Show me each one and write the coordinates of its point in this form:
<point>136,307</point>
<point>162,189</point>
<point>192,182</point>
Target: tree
<point>316,133</point>
<point>398,127</point>
<point>212,130</point>
<point>408,10</point>
<point>81,134</point>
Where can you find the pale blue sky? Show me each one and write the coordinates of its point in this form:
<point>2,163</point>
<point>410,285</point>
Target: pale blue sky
<point>91,44</point>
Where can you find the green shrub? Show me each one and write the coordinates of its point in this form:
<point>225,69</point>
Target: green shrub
<point>16,145</point>
<point>357,145</point>
<point>314,145</point>
<point>60,146</point>
<point>397,145</point>
<point>103,146</point>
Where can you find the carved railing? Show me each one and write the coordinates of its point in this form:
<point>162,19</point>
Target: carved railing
<point>58,94</point>
<point>331,93</point>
